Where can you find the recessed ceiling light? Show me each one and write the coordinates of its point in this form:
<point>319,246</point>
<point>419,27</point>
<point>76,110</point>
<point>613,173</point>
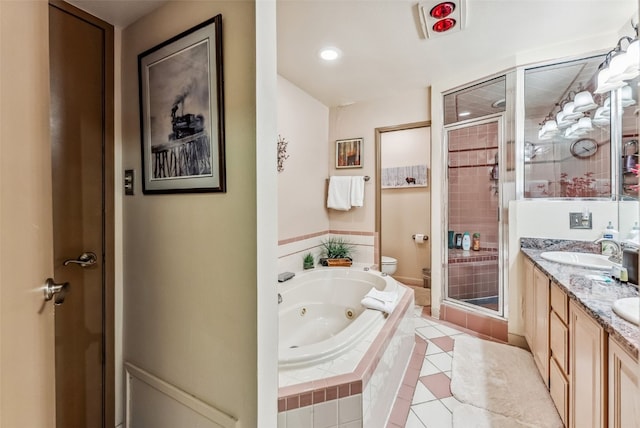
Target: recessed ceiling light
<point>464,113</point>
<point>329,54</point>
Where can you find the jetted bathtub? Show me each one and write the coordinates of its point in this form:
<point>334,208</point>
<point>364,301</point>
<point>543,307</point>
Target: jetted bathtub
<point>320,316</point>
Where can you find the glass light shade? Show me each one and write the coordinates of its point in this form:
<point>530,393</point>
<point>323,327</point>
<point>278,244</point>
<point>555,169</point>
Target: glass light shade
<point>604,85</point>
<point>584,102</point>
<point>562,121</point>
<point>633,60</point>
<point>584,125</point>
<point>550,126</point>
<point>569,111</point>
<point>617,66</point>
<point>627,96</point>
<point>543,136</point>
<point>601,117</point>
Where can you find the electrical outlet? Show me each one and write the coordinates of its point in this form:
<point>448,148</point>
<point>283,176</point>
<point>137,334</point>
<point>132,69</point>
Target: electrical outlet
<point>578,221</point>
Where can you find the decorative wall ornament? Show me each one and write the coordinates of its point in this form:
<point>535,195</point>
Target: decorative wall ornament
<point>282,152</point>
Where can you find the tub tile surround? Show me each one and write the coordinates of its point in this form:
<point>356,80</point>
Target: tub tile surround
<point>594,297</point>
<point>292,250</point>
<point>358,397</point>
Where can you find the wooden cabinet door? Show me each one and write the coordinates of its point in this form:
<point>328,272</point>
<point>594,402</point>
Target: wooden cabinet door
<point>540,348</point>
<point>528,302</point>
<point>587,370</point>
<point>624,408</point>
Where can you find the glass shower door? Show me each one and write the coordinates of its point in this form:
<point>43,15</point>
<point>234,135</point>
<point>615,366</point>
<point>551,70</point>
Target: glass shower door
<point>473,253</point>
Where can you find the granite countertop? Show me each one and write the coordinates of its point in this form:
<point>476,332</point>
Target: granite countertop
<point>595,297</point>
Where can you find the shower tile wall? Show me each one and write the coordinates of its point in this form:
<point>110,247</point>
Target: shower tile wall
<point>473,207</point>
<point>473,199</point>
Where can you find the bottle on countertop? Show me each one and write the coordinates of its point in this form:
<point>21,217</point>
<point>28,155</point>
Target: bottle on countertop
<point>608,249</point>
<point>466,241</point>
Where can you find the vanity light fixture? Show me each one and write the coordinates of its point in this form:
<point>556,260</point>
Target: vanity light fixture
<point>620,65</point>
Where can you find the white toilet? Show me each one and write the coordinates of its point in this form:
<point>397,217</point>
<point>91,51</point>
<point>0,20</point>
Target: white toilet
<point>389,265</point>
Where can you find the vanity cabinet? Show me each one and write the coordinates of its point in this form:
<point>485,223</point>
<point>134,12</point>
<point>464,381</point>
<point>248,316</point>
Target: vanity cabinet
<point>559,351</point>
<point>587,359</point>
<point>536,317</point>
<point>624,407</point>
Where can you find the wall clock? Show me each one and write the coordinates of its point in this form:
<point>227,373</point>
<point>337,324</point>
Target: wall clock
<point>584,148</point>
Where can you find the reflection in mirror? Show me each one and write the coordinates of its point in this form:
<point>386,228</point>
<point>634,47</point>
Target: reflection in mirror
<point>628,205</point>
<point>567,132</point>
<point>480,100</point>
<point>629,150</point>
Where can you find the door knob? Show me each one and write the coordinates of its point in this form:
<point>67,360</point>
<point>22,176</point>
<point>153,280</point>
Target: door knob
<point>51,290</point>
<point>84,260</point>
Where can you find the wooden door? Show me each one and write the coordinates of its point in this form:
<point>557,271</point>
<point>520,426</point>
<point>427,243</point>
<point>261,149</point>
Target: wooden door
<point>26,323</point>
<point>82,168</point>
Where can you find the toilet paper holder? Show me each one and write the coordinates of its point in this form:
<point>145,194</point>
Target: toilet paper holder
<point>424,238</point>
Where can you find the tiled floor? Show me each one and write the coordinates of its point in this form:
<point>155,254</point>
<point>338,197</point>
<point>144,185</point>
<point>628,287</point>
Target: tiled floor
<point>424,399</point>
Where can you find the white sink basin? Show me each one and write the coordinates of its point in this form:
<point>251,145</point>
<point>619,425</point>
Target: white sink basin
<point>628,308</point>
<point>587,260</point>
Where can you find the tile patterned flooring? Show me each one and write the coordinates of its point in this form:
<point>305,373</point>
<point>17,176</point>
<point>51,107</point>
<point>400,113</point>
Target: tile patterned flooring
<point>424,399</point>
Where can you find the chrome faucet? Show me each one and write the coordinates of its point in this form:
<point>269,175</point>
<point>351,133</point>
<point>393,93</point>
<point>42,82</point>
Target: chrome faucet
<point>616,257</point>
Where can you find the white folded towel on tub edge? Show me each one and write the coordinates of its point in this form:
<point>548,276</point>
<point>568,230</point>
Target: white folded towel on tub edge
<point>384,301</point>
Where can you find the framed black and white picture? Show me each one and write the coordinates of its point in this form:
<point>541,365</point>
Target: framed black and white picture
<point>181,112</point>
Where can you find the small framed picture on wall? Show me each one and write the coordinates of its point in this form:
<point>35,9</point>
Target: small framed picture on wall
<point>349,153</point>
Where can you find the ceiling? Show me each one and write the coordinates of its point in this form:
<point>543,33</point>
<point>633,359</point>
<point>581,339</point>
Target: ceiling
<point>383,48</point>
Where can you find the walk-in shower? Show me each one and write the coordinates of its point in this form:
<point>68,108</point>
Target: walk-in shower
<point>474,140</point>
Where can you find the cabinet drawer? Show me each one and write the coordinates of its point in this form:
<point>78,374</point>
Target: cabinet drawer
<point>559,341</point>
<point>559,390</point>
<point>559,302</point>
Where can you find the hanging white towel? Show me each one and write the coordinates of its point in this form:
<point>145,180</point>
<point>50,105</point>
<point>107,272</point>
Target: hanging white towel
<point>357,191</point>
<point>339,195</point>
<point>384,301</point>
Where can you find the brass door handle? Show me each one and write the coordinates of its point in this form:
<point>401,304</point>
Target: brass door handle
<point>84,260</point>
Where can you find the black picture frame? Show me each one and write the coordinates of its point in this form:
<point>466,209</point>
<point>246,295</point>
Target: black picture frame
<point>181,91</point>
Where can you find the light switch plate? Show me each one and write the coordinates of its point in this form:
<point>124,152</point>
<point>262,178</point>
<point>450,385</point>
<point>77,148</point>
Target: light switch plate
<point>128,181</point>
<point>576,221</point>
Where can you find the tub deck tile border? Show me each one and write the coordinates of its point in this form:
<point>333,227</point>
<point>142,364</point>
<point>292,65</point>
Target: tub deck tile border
<point>345,385</point>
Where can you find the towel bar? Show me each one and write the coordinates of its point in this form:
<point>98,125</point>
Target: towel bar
<point>366,178</point>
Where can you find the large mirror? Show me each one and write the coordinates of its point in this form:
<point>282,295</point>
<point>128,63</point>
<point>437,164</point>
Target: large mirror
<point>580,143</point>
<point>567,132</point>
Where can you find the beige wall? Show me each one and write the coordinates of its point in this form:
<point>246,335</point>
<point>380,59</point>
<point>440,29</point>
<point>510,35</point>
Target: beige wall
<point>361,120</point>
<point>304,123</point>
<point>406,211</point>
<point>190,304</point>
<point>26,255</point>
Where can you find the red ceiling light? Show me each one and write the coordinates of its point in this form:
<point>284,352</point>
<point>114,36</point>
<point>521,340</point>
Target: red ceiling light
<point>444,25</point>
<point>442,10</point>
<point>441,17</point>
